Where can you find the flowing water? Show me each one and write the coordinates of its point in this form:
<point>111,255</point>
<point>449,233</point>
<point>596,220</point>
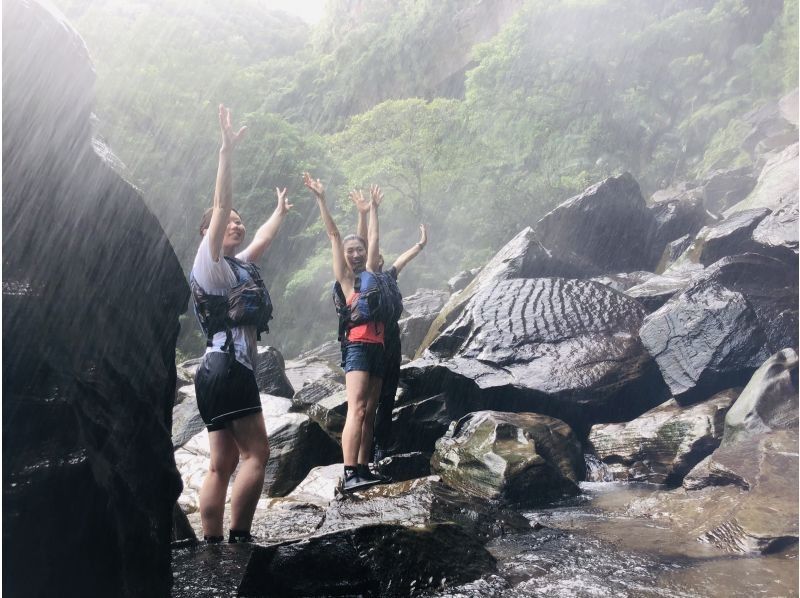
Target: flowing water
<point>587,547</point>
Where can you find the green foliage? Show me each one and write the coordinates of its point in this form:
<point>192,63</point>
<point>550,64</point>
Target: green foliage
<point>478,140</point>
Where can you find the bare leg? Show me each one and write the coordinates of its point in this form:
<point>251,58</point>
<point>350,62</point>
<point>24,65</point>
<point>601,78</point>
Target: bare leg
<point>368,427</point>
<point>250,435</point>
<point>224,457</point>
<point>357,385</point>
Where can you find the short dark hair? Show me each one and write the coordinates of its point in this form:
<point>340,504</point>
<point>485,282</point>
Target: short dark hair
<point>205,221</point>
<point>355,237</point>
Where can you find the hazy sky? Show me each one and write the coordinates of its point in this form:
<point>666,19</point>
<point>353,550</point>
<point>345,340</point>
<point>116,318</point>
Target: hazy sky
<point>308,10</point>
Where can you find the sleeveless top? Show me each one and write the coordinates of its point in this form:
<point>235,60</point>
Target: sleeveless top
<point>369,332</point>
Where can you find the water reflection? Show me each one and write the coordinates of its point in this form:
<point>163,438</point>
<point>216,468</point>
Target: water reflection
<point>589,547</point>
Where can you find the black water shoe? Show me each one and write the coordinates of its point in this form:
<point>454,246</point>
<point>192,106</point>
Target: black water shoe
<point>365,473</point>
<point>353,482</point>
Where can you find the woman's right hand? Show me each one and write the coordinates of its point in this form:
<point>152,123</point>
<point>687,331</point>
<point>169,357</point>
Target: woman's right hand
<point>362,204</point>
<point>229,138</point>
<point>423,236</point>
<point>315,185</point>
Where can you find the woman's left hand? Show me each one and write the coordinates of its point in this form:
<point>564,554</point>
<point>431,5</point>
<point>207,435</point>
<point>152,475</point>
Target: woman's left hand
<point>376,194</point>
<point>283,202</point>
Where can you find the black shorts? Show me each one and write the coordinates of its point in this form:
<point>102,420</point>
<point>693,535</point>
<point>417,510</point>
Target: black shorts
<point>226,390</point>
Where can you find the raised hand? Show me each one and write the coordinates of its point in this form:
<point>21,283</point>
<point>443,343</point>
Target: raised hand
<point>376,194</point>
<point>229,138</point>
<point>283,202</point>
<point>362,205</point>
<point>423,236</point>
<point>315,185</point>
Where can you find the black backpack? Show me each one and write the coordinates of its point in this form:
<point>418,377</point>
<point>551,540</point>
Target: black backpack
<point>246,304</point>
<point>381,302</point>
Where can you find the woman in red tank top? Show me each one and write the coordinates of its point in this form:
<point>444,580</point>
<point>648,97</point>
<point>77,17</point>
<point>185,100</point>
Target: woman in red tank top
<point>362,351</point>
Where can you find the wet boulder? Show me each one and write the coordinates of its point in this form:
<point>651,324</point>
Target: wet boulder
<point>92,294</point>
<point>461,280</point>
<point>186,420</point>
<point>623,281</point>
<point>523,256</point>
<point>297,445</point>
<point>604,229</point>
<point>420,309</point>
<point>675,217</point>
<point>517,458</point>
<point>318,364</point>
<point>672,251</point>
<point>418,424</point>
<point>777,233</point>
<point>378,560</point>
<point>314,392</point>
<point>777,183</point>
<point>406,466</point>
<point>330,413</point>
<point>665,443</point>
<point>270,373</point>
<point>726,324</point>
<point>741,499</point>
<point>658,289</point>
<point>768,402</point>
<point>725,188</point>
<point>186,372</point>
<point>565,348</point>
<point>731,236</point>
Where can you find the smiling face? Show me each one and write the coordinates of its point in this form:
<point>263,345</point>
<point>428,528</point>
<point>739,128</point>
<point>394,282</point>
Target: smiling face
<point>356,254</point>
<point>234,234</point>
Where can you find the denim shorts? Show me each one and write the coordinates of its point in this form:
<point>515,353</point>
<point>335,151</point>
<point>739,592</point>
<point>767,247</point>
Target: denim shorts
<point>363,357</point>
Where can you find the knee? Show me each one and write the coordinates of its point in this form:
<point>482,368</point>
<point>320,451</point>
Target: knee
<point>224,468</point>
<point>258,455</point>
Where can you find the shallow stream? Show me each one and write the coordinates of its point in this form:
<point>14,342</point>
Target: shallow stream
<point>589,548</point>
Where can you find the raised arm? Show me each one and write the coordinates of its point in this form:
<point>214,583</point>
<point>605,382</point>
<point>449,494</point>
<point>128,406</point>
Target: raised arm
<point>223,191</point>
<point>362,205</point>
<point>267,231</point>
<point>409,254</point>
<point>340,270</point>
<point>373,245</point>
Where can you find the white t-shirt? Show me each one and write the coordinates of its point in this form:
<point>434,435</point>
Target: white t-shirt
<point>217,278</point>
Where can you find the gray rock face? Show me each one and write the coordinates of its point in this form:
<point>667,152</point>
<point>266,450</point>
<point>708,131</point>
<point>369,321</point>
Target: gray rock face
<point>665,443</point>
<point>523,256</point>
<point>461,280</point>
<point>777,233</point>
<point>419,424</point>
<point>715,334</point>
<point>657,290</point>
<point>297,445</point>
<point>565,348</point>
<point>624,280</point>
<point>270,375</point>
<point>777,183</point>
<point>186,420</point>
<point>768,402</point>
<point>330,413</point>
<point>420,310</point>
<point>725,188</point>
<point>676,217</point>
<point>743,498</point>
<point>604,229</point>
<point>732,236</point>
<point>672,252</point>
<point>321,363</point>
<point>92,292</point>
<point>517,458</point>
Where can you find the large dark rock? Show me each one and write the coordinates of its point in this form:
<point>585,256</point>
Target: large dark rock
<point>725,188</point>
<point>565,348</point>
<point>417,425</point>
<point>92,291</point>
<point>675,217</point>
<point>662,445</point>
<point>270,373</point>
<point>768,402</point>
<point>731,236</point>
<point>715,334</point>
<point>604,229</point>
<point>524,256</point>
<point>420,309</point>
<point>517,458</point>
<point>379,560</point>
